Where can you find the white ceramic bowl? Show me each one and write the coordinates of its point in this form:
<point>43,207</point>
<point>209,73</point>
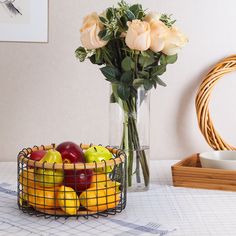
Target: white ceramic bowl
<point>219,160</point>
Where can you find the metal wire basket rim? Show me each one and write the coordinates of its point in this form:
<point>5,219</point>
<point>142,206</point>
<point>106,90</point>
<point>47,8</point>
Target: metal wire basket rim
<point>22,157</point>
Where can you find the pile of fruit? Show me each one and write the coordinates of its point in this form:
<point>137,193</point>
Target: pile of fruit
<point>70,189</point>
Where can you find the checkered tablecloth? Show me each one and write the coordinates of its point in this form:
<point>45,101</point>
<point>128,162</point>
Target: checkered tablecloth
<point>161,210</point>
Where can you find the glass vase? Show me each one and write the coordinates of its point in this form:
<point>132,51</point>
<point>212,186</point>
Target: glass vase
<point>129,130</point>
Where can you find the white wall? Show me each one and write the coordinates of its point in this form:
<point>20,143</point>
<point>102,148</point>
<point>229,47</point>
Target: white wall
<point>47,96</point>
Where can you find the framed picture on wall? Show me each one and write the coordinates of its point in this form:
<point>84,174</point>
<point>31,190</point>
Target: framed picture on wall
<point>24,20</point>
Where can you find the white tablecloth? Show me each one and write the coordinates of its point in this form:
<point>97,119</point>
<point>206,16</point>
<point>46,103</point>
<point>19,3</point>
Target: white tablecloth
<point>179,211</point>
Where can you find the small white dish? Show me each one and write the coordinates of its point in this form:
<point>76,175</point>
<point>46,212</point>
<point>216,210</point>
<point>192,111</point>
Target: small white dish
<point>218,160</point>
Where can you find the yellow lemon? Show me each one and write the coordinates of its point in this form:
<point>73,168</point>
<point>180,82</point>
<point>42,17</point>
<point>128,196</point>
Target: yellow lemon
<point>68,200</point>
<point>95,199</point>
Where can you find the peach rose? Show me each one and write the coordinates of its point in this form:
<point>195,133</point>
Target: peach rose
<point>174,41</point>
<point>90,30</point>
<point>158,32</point>
<point>138,35</point>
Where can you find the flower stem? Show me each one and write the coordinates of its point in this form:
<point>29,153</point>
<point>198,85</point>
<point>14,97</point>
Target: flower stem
<point>132,143</point>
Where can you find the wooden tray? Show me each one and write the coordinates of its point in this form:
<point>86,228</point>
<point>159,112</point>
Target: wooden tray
<point>189,173</point>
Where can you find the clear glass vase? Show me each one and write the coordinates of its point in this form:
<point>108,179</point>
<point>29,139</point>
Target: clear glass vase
<point>129,130</point>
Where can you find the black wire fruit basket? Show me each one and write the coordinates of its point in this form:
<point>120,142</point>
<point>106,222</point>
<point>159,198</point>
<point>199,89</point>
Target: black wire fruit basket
<point>71,189</point>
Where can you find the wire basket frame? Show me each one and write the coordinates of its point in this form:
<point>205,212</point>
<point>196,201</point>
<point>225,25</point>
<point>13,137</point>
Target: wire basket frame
<point>72,189</point>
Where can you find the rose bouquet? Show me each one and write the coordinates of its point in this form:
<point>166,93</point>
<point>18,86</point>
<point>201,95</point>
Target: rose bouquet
<point>133,48</point>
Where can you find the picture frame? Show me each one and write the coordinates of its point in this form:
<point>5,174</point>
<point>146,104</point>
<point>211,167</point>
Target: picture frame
<point>24,20</point>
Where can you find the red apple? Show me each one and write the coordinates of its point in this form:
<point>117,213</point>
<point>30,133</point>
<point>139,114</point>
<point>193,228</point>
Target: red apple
<point>37,155</point>
<point>71,152</point>
<point>79,180</point>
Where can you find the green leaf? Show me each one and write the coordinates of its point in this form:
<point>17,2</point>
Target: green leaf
<point>127,64</point>
<point>98,57</point>
<point>159,81</point>
<point>81,54</point>
<point>146,53</point>
<point>130,15</point>
<point>102,33</point>
<point>147,84</point>
<point>103,20</point>
<point>114,81</point>
<point>163,60</point>
<point>112,98</point>
<point>138,82</point>
<point>145,61</point>
<point>108,36</point>
<point>127,77</point>
<point>124,21</point>
<point>109,13</point>
<point>140,15</point>
<point>93,59</point>
<point>144,74</point>
<point>157,55</point>
<point>171,59</point>
<point>159,70</point>
<point>110,72</point>
<point>135,9</point>
<point>154,83</point>
<point>167,20</point>
<point>123,91</point>
<point>138,11</point>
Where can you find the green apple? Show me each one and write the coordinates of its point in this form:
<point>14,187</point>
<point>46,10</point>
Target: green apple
<point>50,177</point>
<point>98,154</point>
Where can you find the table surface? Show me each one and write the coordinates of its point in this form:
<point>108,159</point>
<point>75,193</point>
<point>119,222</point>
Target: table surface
<point>163,209</point>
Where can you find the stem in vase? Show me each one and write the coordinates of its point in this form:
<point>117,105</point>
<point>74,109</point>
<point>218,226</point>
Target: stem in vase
<point>131,142</point>
<point>127,145</point>
<point>141,155</point>
<point>138,148</point>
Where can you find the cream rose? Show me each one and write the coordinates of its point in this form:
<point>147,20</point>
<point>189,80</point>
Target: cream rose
<point>158,32</point>
<point>89,32</point>
<point>138,35</point>
<point>174,41</point>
